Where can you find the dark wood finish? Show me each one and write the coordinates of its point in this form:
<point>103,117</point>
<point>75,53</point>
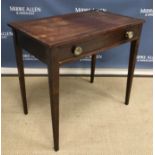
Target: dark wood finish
<point>19,60</point>
<point>105,40</point>
<point>132,62</point>
<point>93,62</point>
<point>33,46</point>
<point>60,39</point>
<point>50,31</point>
<point>53,71</point>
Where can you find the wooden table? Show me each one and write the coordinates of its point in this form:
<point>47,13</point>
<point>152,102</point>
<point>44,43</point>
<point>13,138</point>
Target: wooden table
<point>60,39</point>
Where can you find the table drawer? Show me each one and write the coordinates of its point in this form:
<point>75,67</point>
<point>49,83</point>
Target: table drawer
<point>86,46</point>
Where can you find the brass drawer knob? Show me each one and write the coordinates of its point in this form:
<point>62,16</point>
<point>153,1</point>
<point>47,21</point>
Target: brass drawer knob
<point>78,50</point>
<point>129,34</point>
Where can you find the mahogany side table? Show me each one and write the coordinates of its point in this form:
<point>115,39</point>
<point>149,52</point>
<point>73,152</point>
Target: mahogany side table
<point>60,39</point>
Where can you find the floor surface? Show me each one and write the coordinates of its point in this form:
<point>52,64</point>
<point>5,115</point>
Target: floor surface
<point>93,117</point>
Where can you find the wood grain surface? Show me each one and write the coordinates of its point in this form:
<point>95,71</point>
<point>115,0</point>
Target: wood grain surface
<point>57,29</point>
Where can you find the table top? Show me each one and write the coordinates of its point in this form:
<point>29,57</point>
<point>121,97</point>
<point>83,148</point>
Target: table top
<point>58,29</point>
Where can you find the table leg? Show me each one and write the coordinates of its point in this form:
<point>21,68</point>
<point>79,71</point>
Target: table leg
<point>53,74</point>
<point>131,67</point>
<point>20,66</point>
<point>93,62</point>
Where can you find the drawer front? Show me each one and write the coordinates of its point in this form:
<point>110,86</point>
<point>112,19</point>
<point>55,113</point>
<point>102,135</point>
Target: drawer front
<point>75,50</point>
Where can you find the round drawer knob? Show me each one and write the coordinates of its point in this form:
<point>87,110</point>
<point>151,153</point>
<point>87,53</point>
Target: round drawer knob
<point>78,50</point>
<point>129,34</point>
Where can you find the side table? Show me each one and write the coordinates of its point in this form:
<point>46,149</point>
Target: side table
<point>60,39</point>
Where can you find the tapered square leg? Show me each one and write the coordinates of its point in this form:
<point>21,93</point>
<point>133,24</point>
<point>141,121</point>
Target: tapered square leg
<point>53,76</point>
<point>93,63</point>
<point>20,66</point>
<point>131,67</point>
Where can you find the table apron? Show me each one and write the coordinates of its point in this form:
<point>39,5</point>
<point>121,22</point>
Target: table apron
<point>96,43</point>
<point>91,45</point>
<point>33,46</point>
